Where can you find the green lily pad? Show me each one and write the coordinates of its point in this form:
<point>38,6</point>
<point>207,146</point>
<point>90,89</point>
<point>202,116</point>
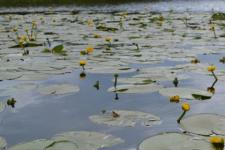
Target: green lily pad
<point>125,118</point>
<point>204,124</point>
<point>58,89</point>
<point>174,141</point>
<point>132,88</point>
<point>186,93</point>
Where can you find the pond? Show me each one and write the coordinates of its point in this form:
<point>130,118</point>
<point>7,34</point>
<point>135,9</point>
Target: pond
<point>105,77</point>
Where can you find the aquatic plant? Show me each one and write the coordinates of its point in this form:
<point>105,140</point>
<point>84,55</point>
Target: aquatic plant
<point>185,107</point>
<point>213,29</point>
<point>217,142</point>
<point>175,99</point>
<point>211,69</point>
<point>175,82</point>
<point>82,64</point>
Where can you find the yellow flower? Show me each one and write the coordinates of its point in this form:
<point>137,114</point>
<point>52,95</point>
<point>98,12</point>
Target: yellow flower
<point>34,24</point>
<point>175,99</point>
<point>83,63</point>
<point>211,68</point>
<point>216,140</point>
<point>195,61</point>
<point>97,35</point>
<point>14,29</point>
<point>90,22</point>
<point>108,39</point>
<point>211,90</point>
<point>89,49</point>
<point>186,106</point>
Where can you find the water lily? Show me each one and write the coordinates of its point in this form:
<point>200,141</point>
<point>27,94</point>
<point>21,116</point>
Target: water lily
<point>175,82</point>
<point>82,64</point>
<point>175,99</point>
<point>212,28</point>
<point>11,102</point>
<point>108,39</point>
<point>185,107</point>
<point>195,61</point>
<point>90,22</point>
<point>95,35</point>
<point>217,142</point>
<point>89,50</point>
<point>15,29</point>
<point>211,69</point>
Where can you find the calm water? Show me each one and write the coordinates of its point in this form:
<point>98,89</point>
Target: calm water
<point>43,116</point>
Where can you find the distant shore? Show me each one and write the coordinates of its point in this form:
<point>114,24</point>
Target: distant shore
<point>14,3</point>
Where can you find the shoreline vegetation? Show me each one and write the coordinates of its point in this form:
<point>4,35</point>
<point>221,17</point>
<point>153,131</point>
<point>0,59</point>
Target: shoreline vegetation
<point>20,3</point>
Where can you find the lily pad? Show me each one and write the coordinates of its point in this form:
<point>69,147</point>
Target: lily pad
<point>132,88</point>
<point>79,140</point>
<point>174,141</point>
<point>125,118</point>
<point>58,89</point>
<point>39,144</point>
<point>204,124</point>
<point>9,75</point>
<point>3,143</point>
<point>186,93</point>
<point>85,140</point>
<point>27,45</point>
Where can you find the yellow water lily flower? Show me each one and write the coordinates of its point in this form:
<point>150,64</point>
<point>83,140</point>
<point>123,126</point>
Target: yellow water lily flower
<point>175,98</point>
<point>89,50</point>
<point>83,63</point>
<point>96,35</point>
<point>216,140</point>
<point>211,68</point>
<point>34,24</point>
<point>186,107</point>
<point>90,22</point>
<point>108,39</point>
<point>15,29</point>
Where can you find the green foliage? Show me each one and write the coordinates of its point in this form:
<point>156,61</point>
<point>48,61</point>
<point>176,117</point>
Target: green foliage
<point>218,16</point>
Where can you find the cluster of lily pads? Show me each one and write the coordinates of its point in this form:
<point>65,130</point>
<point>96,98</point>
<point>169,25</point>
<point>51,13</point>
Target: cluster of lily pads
<point>111,44</point>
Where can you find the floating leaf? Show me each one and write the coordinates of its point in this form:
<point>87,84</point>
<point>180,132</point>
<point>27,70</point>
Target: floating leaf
<point>125,118</point>
<point>174,141</point>
<point>58,89</point>
<point>3,143</point>
<point>27,45</point>
<point>77,140</point>
<point>129,88</point>
<point>186,93</point>
<point>204,124</point>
